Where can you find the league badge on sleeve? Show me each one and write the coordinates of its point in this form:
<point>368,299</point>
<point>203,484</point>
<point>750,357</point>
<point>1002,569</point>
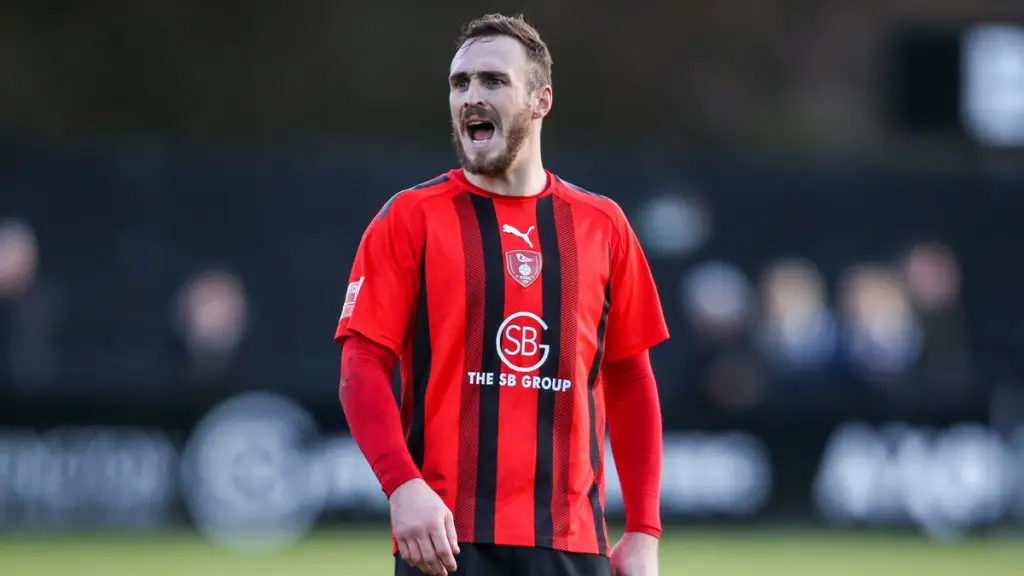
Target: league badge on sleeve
<point>350,297</point>
<point>523,266</point>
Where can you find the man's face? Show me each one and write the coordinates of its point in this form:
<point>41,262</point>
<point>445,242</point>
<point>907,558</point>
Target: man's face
<point>492,104</point>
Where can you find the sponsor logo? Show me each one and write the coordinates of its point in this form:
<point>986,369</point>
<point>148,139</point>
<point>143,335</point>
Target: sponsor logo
<point>91,476</point>
<point>515,381</point>
<point>725,474</point>
<point>943,481</point>
<point>518,342</point>
<point>509,229</point>
<point>519,346</point>
<point>247,477</point>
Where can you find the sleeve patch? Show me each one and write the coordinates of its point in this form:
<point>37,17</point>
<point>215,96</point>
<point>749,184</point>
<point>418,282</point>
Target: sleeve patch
<point>350,297</point>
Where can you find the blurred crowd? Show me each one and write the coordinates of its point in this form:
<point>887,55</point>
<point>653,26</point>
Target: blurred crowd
<point>879,337</point>
<point>206,326</point>
<point>778,338</point>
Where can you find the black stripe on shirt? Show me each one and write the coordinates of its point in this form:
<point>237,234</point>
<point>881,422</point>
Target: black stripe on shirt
<point>551,286</point>
<point>494,310</point>
<point>595,440</point>
<point>421,353</point>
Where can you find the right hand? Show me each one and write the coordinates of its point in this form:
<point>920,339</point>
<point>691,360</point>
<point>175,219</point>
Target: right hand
<point>424,528</point>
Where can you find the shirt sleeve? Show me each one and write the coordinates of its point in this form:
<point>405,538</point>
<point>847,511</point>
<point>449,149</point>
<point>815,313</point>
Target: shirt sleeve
<point>635,319</point>
<point>634,428</point>
<point>381,296</point>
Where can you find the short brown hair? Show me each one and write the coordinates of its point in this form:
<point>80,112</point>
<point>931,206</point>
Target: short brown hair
<point>518,28</point>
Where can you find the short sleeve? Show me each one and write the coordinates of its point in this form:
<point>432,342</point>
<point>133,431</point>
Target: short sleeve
<point>381,296</point>
<point>635,319</point>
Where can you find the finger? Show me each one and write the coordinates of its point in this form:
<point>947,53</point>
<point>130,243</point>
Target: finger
<point>430,560</point>
<point>444,550</point>
<point>403,551</point>
<point>415,557</point>
<point>450,533</point>
<point>423,565</point>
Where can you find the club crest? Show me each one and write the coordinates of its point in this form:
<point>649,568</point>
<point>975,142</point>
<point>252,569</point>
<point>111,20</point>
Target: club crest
<point>523,266</point>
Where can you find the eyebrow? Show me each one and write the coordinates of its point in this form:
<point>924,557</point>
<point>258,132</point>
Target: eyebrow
<point>485,74</point>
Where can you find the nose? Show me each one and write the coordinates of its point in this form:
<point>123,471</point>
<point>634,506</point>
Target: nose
<point>474,96</point>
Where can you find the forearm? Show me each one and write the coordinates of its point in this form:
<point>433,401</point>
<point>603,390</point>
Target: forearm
<point>634,425</point>
<point>371,412</point>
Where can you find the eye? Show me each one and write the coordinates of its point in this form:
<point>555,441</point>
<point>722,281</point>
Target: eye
<point>493,83</point>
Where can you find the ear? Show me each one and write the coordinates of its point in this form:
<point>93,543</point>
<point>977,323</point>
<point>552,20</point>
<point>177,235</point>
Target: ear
<point>544,100</point>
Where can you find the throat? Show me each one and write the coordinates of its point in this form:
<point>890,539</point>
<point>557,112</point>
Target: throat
<point>516,182</point>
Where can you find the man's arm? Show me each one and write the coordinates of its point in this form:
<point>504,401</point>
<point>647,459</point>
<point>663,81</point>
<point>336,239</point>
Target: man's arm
<point>634,427</point>
<point>636,324</point>
<point>424,528</point>
<point>372,330</point>
<point>371,412</point>
<point>379,301</point>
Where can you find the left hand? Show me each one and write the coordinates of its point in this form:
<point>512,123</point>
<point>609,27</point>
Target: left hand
<point>635,555</point>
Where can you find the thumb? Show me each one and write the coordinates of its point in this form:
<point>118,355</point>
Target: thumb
<point>449,528</point>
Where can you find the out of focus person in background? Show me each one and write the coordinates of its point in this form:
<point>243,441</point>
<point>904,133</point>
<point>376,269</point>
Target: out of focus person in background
<point>718,301</point>
<point>29,311</point>
<point>798,337</point>
<point>882,335</point>
<point>528,266</point>
<point>932,277</point>
<point>210,321</point>
<point>797,330</point>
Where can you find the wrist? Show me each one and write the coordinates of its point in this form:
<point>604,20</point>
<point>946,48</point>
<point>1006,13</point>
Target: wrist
<point>399,478</point>
<point>644,532</point>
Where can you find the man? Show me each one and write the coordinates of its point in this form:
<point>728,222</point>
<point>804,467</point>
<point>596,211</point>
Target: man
<point>520,307</point>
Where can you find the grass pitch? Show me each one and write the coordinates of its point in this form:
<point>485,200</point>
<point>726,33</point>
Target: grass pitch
<point>691,552</point>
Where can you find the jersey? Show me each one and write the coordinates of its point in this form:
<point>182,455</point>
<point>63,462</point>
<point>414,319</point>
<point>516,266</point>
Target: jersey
<point>501,310</point>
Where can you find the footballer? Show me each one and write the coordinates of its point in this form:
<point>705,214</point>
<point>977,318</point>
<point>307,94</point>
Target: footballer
<point>521,310</point>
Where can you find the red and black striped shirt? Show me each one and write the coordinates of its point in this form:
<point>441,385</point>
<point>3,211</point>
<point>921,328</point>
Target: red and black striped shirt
<point>501,310</point>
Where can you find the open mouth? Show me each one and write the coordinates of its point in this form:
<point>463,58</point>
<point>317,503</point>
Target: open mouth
<point>480,131</point>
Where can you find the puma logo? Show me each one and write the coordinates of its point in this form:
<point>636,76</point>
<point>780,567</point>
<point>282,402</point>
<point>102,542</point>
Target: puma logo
<point>508,228</point>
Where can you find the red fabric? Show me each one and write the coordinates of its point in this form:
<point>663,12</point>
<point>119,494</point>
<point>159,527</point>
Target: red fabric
<point>634,425</point>
<point>365,392</point>
<point>497,308</point>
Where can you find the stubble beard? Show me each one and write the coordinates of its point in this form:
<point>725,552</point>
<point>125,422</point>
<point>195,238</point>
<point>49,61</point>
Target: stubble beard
<point>515,138</point>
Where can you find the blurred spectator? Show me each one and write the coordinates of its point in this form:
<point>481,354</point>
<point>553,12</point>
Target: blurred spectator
<point>673,225</point>
<point>19,259</point>
<point>28,309</point>
<point>734,380</point>
<point>211,319</point>
<point>717,299</point>
<point>932,276</point>
<point>882,336</point>
<point>797,330</point>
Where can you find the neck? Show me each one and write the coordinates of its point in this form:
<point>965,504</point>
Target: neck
<point>526,177</point>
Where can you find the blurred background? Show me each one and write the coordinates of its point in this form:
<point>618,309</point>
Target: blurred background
<point>830,193</point>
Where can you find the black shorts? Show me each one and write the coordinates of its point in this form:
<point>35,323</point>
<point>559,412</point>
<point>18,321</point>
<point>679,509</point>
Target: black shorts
<point>490,560</point>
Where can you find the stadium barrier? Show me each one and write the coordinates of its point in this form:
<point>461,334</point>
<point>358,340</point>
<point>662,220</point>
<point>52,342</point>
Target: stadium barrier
<point>260,470</point>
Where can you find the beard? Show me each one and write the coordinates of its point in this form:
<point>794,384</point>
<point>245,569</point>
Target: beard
<point>515,138</point>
